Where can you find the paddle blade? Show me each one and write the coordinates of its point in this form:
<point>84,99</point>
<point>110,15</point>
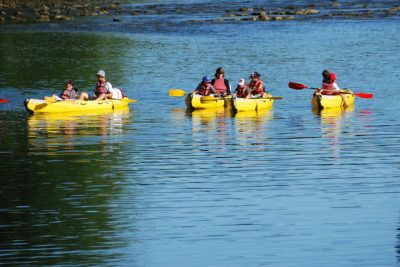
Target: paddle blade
<point>364,95</point>
<point>3,100</point>
<point>125,99</point>
<point>176,92</point>
<point>297,86</point>
<point>50,99</point>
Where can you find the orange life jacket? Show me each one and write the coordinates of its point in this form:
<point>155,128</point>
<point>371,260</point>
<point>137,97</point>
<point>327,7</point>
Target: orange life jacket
<point>242,92</point>
<point>69,94</point>
<point>257,87</point>
<point>101,88</point>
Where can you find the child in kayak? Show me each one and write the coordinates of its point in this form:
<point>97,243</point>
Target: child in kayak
<point>242,90</point>
<point>205,87</point>
<point>69,93</point>
<point>256,86</point>
<point>220,84</point>
<point>329,86</point>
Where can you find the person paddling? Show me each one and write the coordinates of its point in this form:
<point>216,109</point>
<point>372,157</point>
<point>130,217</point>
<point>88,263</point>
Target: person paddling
<point>220,84</point>
<point>205,87</point>
<point>256,86</point>
<point>102,90</point>
<point>242,90</point>
<point>329,86</point>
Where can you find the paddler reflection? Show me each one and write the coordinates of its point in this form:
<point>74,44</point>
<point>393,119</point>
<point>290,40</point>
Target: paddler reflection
<point>332,120</point>
<point>250,127</point>
<point>67,130</point>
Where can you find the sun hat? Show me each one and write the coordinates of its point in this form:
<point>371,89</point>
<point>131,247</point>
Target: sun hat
<point>101,73</point>
<point>241,82</point>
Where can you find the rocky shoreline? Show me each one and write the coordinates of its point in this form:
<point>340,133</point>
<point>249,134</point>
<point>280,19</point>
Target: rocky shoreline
<point>20,11</point>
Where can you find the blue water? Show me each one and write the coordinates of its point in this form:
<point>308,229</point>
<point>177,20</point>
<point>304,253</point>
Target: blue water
<point>158,186</point>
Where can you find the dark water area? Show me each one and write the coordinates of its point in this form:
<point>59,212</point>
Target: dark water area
<point>156,185</point>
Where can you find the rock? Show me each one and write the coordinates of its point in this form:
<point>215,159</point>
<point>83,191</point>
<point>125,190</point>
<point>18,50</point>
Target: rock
<point>245,9</point>
<point>305,11</point>
<point>393,10</point>
<point>43,18</point>
<point>2,19</point>
<point>277,18</point>
<point>135,13</point>
<point>250,18</point>
<point>263,16</point>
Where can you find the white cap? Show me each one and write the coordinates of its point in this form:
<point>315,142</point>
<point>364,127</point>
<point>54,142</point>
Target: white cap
<point>241,82</point>
<point>101,73</point>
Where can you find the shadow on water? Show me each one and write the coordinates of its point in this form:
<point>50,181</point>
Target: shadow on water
<point>56,202</point>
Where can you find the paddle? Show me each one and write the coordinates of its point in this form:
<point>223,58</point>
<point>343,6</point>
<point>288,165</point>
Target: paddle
<point>299,86</point>
<point>177,92</point>
<point>3,100</point>
<point>125,99</point>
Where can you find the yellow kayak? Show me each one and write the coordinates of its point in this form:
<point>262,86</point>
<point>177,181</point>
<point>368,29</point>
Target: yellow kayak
<point>247,104</point>
<point>42,106</point>
<point>333,101</point>
<point>195,101</point>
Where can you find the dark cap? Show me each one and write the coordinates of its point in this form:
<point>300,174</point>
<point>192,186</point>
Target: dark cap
<point>68,82</point>
<point>254,74</point>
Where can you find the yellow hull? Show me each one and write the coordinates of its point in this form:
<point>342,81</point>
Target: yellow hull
<point>196,101</point>
<point>41,106</point>
<point>248,104</point>
<point>333,101</point>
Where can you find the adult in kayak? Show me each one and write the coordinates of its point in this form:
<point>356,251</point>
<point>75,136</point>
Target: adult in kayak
<point>329,85</point>
<point>102,90</point>
<point>68,93</point>
<point>242,90</point>
<point>256,86</point>
<point>204,87</point>
<point>220,84</point>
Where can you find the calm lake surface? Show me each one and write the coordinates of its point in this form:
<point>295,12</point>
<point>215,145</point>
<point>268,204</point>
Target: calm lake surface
<point>158,186</point>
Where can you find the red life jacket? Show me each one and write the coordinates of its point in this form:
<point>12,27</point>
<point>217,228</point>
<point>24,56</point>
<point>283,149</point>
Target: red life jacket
<point>257,87</point>
<point>242,92</point>
<point>101,88</point>
<point>327,88</point>
<point>69,94</point>
<point>219,85</point>
<point>204,89</point>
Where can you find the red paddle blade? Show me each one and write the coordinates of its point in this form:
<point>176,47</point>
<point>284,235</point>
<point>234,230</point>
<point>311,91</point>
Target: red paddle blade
<point>2,100</point>
<point>364,95</point>
<point>297,86</point>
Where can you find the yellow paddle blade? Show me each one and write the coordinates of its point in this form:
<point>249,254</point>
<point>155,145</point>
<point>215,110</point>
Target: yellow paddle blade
<point>50,99</point>
<point>176,92</point>
<point>125,99</point>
